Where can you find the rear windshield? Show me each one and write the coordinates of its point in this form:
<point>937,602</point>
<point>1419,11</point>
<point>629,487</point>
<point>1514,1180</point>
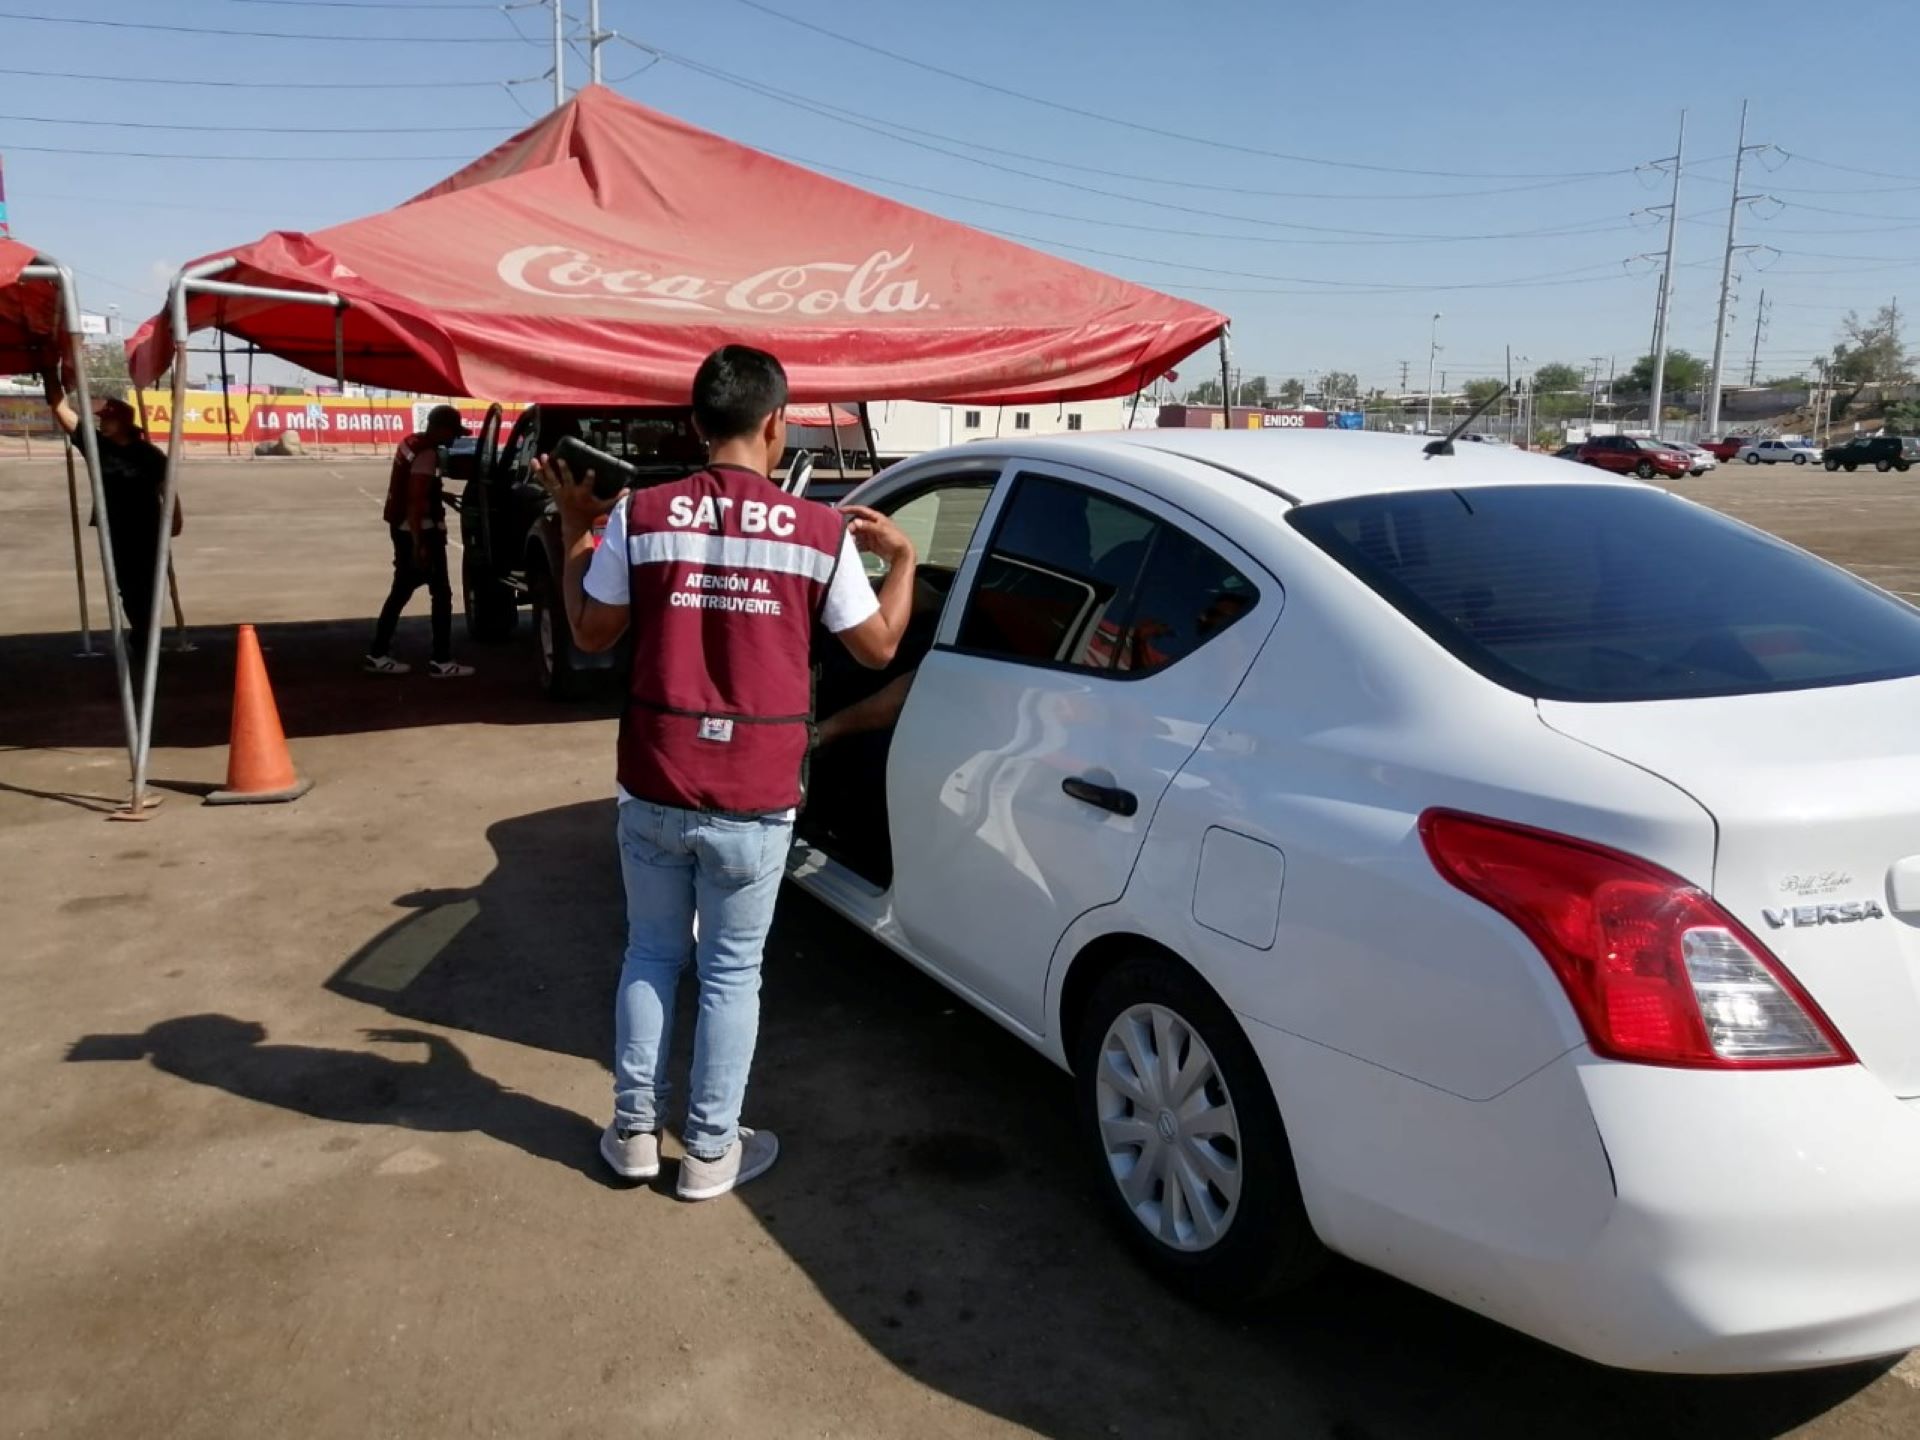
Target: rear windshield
<point>1604,593</point>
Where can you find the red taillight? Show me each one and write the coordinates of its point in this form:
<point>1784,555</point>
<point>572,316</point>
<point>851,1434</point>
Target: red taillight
<point>1657,972</point>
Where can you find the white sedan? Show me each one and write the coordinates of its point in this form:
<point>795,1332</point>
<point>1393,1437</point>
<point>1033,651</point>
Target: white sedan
<point>1779,452</point>
<point>1503,874</point>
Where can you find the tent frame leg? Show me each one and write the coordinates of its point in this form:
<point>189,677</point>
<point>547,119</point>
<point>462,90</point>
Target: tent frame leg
<point>866,429</point>
<point>62,279</point>
<point>86,651</point>
<point>192,280</point>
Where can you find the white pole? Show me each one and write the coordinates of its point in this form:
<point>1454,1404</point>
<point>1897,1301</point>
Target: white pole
<point>1726,282</point>
<point>1433,353</point>
<point>1656,400</point>
<point>594,39</point>
<point>559,55</point>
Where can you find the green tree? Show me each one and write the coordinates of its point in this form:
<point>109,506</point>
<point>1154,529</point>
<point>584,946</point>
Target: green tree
<point>1558,376</point>
<point>1684,372</point>
<point>1252,390</point>
<point>1478,390</point>
<point>1291,392</point>
<point>1872,352</point>
<point>1339,385</point>
<point>1207,392</point>
<point>107,369</point>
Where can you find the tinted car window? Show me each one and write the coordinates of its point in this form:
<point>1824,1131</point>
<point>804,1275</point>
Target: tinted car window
<point>1076,578</point>
<point>939,522</point>
<point>1593,593</point>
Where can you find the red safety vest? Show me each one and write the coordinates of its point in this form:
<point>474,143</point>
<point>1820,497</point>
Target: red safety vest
<point>727,574</point>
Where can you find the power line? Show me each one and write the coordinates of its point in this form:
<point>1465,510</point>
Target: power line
<point>384,4</point>
<point>263,129</point>
<point>408,84</point>
<point>878,125</point>
<point>1145,129</point>
<point>1375,237</point>
<point>204,155</point>
<point>226,32</point>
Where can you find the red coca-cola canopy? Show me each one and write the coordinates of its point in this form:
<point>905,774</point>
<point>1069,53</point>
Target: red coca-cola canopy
<point>600,254</point>
<point>30,332</point>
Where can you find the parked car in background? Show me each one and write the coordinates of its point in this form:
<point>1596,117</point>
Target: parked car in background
<point>1497,874</point>
<point>1702,458</point>
<point>1624,455</point>
<point>1567,452</point>
<point>1725,448</point>
<point>1779,452</point>
<point>1883,452</point>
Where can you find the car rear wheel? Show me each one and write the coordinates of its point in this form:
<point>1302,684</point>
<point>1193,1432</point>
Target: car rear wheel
<point>1833,465</point>
<point>1186,1143</point>
<point>492,609</point>
<point>1753,459</point>
<point>1644,469</point>
<point>1799,459</point>
<point>1883,466</point>
<point>553,646</point>
<point>1851,466</point>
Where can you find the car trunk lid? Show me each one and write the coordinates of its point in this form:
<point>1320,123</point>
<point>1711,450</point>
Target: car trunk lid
<point>1815,795</point>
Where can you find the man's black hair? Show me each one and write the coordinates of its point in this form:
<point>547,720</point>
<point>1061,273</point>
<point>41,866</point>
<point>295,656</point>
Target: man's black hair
<point>734,391</point>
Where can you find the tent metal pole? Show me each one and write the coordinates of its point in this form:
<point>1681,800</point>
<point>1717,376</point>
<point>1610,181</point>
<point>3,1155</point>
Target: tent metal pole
<point>226,394</point>
<point>79,554</point>
<point>1226,385</point>
<point>340,346</point>
<point>839,455</point>
<point>90,451</point>
<point>1134,408</point>
<point>163,555</point>
<point>866,429</point>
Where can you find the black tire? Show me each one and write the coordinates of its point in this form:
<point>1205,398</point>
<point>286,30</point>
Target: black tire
<point>1902,466</point>
<point>1268,1246</point>
<point>1883,466</point>
<point>1851,466</point>
<point>1832,465</point>
<point>492,609</point>
<point>1753,459</point>
<point>553,639</point>
<point>1802,459</point>
<point>1644,469</point>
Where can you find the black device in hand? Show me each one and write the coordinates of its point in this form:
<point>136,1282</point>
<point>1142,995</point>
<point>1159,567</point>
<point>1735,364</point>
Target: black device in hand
<point>611,474</point>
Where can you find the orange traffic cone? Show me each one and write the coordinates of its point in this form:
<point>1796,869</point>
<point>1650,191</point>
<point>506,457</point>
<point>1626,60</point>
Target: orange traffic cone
<point>259,769</point>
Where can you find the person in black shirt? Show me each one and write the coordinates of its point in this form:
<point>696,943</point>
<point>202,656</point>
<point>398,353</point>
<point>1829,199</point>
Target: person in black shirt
<point>133,471</point>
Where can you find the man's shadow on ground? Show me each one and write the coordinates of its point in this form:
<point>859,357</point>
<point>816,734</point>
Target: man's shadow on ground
<point>442,1092</point>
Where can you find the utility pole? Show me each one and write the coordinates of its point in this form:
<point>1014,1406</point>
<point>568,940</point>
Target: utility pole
<point>1593,393</point>
<point>559,54</point>
<point>1404,365</point>
<point>1759,320</point>
<point>1656,399</point>
<point>1433,354</point>
<point>1507,403</point>
<point>1726,276</point>
<point>596,37</point>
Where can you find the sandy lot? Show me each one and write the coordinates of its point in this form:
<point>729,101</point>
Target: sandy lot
<point>303,1099</point>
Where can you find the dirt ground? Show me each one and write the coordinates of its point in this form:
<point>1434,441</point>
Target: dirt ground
<point>303,1099</point>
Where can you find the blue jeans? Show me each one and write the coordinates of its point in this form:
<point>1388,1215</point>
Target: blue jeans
<point>679,864</point>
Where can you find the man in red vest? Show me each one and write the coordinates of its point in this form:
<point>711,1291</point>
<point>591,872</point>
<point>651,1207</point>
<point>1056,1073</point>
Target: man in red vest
<point>721,578</point>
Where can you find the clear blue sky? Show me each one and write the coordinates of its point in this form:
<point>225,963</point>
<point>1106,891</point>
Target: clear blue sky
<point>1488,92</point>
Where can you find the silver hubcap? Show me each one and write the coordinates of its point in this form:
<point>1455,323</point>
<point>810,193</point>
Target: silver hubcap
<point>1168,1127</point>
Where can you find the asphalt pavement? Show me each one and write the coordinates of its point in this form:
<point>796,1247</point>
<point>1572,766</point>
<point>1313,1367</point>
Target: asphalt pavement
<point>303,1098</point>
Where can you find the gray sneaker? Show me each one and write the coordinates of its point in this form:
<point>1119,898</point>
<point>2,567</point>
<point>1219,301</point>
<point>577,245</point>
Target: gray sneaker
<point>632,1155</point>
<point>750,1157</point>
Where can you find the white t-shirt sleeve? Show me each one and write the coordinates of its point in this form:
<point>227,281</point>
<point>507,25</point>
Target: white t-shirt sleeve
<point>850,598</point>
<point>607,573</point>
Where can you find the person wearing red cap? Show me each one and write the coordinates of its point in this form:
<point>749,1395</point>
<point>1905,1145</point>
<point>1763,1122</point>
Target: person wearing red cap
<point>133,472</point>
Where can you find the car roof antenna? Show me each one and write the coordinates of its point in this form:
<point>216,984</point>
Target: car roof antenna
<point>1444,445</point>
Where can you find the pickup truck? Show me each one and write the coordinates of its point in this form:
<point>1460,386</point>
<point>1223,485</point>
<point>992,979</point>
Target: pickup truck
<point>510,535</point>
